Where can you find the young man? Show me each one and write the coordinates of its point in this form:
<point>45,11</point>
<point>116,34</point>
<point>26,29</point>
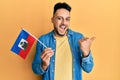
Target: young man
<point>68,52</point>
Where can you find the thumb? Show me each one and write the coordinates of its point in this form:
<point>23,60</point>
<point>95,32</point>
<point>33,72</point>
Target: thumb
<point>92,38</point>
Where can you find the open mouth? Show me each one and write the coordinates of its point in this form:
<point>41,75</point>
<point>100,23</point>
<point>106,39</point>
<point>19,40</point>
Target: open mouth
<point>62,28</point>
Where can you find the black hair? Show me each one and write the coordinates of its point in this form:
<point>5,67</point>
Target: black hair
<point>61,5</point>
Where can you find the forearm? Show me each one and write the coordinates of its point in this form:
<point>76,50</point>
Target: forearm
<point>87,63</point>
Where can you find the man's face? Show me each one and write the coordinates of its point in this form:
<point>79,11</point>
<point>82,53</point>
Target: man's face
<point>61,22</point>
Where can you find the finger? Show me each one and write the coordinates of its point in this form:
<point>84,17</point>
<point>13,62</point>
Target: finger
<point>47,52</point>
<point>83,39</point>
<point>45,59</point>
<point>47,56</point>
<point>92,38</point>
<point>47,49</point>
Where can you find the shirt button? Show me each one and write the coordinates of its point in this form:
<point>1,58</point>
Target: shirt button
<point>52,70</point>
<point>53,60</point>
<point>74,60</point>
<point>73,69</point>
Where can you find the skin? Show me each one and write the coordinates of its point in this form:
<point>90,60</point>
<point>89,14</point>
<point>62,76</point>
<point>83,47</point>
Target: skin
<point>61,23</point>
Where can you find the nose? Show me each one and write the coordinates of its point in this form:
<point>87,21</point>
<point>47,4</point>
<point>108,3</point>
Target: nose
<point>63,21</point>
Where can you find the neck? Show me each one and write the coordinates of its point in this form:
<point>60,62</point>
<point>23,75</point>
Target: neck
<point>58,35</point>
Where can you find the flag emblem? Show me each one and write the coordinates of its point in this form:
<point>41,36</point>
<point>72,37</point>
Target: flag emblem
<point>23,44</point>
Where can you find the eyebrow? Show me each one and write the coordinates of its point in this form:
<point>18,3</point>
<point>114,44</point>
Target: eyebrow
<point>61,16</point>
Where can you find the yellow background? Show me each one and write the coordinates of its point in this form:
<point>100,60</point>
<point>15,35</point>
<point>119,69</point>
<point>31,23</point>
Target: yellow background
<point>100,18</point>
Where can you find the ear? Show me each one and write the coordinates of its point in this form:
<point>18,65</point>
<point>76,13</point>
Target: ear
<point>52,19</point>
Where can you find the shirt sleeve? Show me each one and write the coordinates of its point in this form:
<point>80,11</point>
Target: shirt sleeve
<point>87,63</point>
<point>37,62</point>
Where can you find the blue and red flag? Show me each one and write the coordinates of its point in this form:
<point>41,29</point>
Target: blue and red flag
<point>23,43</point>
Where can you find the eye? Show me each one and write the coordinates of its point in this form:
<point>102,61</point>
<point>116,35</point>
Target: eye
<point>67,19</point>
<point>59,18</point>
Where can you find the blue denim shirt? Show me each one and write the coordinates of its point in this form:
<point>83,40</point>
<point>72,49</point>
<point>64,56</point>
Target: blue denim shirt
<point>79,63</point>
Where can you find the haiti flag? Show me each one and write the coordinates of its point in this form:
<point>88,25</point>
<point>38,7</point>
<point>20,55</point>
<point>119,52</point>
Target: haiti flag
<point>23,43</point>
